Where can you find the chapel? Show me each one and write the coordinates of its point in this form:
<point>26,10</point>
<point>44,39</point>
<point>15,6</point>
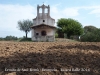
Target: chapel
<point>43,28</point>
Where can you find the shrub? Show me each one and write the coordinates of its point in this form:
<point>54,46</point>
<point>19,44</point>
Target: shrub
<point>1,39</point>
<point>10,38</point>
<point>91,34</point>
<point>56,35</point>
<point>24,39</point>
<point>90,37</point>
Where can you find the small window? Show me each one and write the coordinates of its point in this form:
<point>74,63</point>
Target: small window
<point>43,20</point>
<point>43,33</point>
<point>37,34</point>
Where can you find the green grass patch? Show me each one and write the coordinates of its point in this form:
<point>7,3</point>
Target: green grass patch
<point>24,40</point>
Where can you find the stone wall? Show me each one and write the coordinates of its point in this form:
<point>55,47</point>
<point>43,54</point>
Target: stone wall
<point>44,38</point>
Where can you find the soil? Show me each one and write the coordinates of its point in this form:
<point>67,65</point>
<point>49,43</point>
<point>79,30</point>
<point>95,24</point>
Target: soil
<point>49,58</point>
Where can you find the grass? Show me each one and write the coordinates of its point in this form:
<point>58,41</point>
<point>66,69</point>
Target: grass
<point>65,40</point>
<point>25,40</point>
<point>29,40</point>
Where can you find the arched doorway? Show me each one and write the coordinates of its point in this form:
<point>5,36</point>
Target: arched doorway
<point>43,33</point>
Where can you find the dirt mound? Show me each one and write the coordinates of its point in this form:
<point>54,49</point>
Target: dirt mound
<point>49,58</point>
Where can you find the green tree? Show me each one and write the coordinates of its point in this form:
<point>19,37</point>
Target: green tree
<point>88,37</point>
<point>8,38</point>
<point>91,34</point>
<point>25,26</point>
<point>1,38</point>
<point>89,28</point>
<point>70,26</point>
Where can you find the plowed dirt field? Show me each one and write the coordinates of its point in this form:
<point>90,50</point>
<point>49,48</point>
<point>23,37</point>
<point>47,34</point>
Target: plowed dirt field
<point>49,58</point>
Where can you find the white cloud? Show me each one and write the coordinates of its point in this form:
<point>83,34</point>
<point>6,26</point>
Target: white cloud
<point>92,9</point>
<point>55,13</point>
<point>75,13</point>
<point>70,12</point>
<point>11,14</point>
<point>95,11</point>
<point>58,13</point>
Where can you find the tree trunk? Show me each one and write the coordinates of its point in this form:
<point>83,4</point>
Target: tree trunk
<point>26,33</point>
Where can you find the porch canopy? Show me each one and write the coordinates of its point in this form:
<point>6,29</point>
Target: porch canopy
<point>43,25</point>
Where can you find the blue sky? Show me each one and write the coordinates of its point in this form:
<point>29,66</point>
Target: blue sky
<point>87,12</point>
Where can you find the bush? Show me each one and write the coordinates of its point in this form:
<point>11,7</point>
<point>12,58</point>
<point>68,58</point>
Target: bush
<point>24,39</point>
<point>91,34</point>
<point>56,35</point>
<point>9,38</point>
<point>90,37</point>
<point>1,39</point>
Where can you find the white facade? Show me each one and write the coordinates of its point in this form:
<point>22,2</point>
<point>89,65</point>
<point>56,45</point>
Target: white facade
<point>40,20</point>
<point>43,25</point>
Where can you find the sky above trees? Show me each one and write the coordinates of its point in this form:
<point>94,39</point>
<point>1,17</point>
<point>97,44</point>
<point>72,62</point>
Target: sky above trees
<point>87,12</point>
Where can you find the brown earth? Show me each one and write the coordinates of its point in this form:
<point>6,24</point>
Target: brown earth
<point>51,57</point>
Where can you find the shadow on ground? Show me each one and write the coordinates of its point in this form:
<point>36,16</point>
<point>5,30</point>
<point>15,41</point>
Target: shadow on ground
<point>77,46</point>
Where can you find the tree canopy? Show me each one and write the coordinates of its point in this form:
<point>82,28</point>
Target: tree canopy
<point>25,26</point>
<point>91,34</point>
<point>8,38</point>
<point>70,26</point>
<point>90,28</point>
